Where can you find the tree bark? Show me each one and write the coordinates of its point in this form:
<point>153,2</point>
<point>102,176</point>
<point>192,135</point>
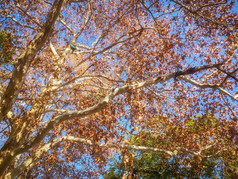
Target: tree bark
<point>19,73</point>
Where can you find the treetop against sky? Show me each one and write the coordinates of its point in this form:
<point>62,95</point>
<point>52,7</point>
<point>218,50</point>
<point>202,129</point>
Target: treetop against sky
<point>80,76</point>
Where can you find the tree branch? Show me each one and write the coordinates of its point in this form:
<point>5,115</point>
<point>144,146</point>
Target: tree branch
<point>208,86</point>
<point>25,59</point>
<point>103,103</point>
<point>19,74</point>
<point>27,164</point>
<point>31,17</point>
<point>23,25</point>
<point>195,12</point>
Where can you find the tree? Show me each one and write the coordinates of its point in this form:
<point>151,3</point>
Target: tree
<point>136,61</point>
<point>6,47</point>
<point>146,164</point>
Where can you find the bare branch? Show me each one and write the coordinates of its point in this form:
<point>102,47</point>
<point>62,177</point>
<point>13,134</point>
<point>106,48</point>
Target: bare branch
<point>208,86</point>
<point>91,110</point>
<point>23,25</point>
<point>27,164</point>
<point>229,74</point>
<point>21,69</point>
<point>31,17</point>
<point>195,12</point>
<point>26,58</point>
<point>210,4</point>
<point>54,51</point>
<point>228,105</point>
<point>67,27</point>
<point>76,81</point>
<point>87,20</point>
<point>202,149</point>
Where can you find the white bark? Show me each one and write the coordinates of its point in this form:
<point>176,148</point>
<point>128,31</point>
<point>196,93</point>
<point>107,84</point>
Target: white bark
<point>30,162</point>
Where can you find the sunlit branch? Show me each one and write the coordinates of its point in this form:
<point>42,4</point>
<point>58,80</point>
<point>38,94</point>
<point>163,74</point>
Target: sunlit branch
<point>208,86</point>
<point>75,85</point>
<point>228,105</point>
<point>89,77</point>
<point>56,110</point>
<point>201,149</point>
<point>99,106</point>
<point>31,17</point>
<point>56,86</point>
<point>229,74</point>
<point>118,146</point>
<point>195,12</point>
<point>160,96</point>
<point>54,51</point>
<point>23,25</point>
<point>104,102</point>
<point>19,75</point>
<point>59,60</point>
<point>27,164</point>
<point>27,56</point>
<point>117,41</point>
<point>160,91</point>
<point>67,27</point>
<point>77,1</point>
<point>87,20</point>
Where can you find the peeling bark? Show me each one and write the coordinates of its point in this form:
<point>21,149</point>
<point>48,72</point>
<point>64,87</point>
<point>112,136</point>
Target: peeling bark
<point>20,71</point>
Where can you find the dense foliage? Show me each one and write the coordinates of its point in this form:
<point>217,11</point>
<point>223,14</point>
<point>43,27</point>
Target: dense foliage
<point>78,77</point>
<point>6,47</point>
<point>146,164</point>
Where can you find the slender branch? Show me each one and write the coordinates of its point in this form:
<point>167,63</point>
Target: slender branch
<point>232,111</point>
<point>23,25</point>
<point>103,103</point>
<point>226,62</point>
<point>99,106</point>
<point>31,17</point>
<point>19,74</point>
<point>77,1</point>
<point>202,149</point>
<point>67,27</point>
<point>27,164</point>
<point>195,12</point>
<point>209,5</point>
<point>25,59</point>
<point>208,86</point>
<point>229,74</point>
<point>87,20</point>
<point>117,41</point>
<point>85,77</point>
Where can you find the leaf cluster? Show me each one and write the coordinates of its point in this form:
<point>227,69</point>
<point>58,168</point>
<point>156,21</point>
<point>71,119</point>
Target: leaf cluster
<point>6,47</point>
<point>183,164</point>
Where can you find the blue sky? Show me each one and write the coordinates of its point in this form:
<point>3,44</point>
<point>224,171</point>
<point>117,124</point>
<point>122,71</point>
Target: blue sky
<point>123,120</point>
